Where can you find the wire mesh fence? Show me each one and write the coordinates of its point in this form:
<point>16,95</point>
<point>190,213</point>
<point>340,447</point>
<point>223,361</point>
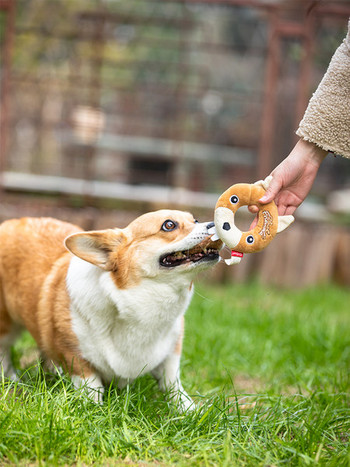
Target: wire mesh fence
<point>157,93</point>
<point>141,104</point>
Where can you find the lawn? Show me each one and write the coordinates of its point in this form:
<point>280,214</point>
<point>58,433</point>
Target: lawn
<point>268,369</point>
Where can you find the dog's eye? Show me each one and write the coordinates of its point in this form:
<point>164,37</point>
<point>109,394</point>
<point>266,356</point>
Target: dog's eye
<point>234,199</point>
<point>169,225</point>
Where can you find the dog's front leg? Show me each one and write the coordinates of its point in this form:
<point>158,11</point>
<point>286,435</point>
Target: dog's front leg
<point>168,376</point>
<point>92,385</point>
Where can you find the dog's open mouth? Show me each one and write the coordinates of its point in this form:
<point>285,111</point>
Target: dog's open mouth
<point>207,251</point>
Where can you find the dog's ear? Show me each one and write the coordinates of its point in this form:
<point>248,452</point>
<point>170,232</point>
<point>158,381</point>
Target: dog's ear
<point>95,246</point>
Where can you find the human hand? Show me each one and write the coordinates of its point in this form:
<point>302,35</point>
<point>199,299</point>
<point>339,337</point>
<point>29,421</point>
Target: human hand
<point>293,178</point>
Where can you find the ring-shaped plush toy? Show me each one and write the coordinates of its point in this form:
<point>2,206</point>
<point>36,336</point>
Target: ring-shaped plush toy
<point>267,226</point>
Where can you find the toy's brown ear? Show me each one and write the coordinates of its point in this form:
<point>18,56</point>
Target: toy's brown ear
<point>95,246</point>
<point>284,222</point>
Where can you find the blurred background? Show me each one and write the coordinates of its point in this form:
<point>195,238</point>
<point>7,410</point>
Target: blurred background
<point>112,108</point>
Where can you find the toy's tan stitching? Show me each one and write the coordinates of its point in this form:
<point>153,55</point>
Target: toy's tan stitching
<point>268,221</point>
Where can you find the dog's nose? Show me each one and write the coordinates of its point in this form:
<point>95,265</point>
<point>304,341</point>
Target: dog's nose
<point>226,226</point>
<point>210,225</point>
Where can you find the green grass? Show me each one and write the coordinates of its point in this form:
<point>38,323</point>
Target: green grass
<point>269,371</point>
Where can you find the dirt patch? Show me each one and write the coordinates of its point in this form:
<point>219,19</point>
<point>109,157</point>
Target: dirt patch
<point>247,385</point>
<point>244,384</point>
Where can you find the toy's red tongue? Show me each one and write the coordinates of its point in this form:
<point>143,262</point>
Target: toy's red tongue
<point>237,254</point>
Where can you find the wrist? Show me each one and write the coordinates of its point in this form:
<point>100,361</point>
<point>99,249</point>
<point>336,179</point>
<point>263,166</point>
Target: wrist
<point>311,152</point>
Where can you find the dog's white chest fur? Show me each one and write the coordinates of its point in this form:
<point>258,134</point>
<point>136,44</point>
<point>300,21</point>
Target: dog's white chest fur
<point>125,333</point>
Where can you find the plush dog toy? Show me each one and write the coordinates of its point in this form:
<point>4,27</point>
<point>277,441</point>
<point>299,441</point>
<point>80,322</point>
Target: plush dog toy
<point>268,225</point>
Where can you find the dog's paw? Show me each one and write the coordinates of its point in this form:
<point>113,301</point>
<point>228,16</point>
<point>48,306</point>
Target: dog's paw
<point>183,402</point>
<point>10,374</point>
<point>91,386</point>
<point>7,370</point>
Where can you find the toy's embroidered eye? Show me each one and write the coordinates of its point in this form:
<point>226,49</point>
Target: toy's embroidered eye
<point>234,199</point>
<point>250,239</point>
<point>169,225</point>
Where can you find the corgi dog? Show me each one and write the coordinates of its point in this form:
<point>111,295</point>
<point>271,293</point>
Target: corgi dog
<point>103,305</point>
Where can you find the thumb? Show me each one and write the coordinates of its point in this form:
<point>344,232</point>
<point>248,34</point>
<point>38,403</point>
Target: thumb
<point>271,192</point>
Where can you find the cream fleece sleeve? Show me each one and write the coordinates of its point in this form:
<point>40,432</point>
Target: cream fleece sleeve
<point>326,121</point>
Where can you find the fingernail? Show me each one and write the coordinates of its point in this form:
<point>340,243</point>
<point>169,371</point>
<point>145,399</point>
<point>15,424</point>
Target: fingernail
<point>263,199</point>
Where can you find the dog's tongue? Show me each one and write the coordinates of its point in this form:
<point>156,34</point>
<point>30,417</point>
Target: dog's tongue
<point>236,257</point>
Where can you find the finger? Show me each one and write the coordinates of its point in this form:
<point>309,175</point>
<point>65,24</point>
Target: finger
<point>285,205</point>
<point>290,210</point>
<point>281,205</point>
<point>271,192</point>
<point>253,224</point>
<point>253,208</point>
<point>282,210</point>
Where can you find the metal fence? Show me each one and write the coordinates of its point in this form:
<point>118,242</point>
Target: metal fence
<point>143,104</point>
<point>161,99</point>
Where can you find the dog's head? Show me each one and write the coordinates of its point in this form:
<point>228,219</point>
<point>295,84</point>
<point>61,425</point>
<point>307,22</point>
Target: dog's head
<point>155,244</point>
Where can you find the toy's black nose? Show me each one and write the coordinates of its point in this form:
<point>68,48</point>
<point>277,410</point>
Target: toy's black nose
<point>210,225</point>
<point>226,226</point>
